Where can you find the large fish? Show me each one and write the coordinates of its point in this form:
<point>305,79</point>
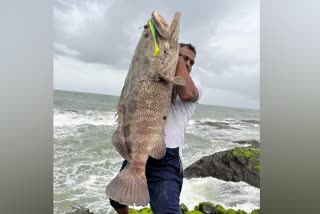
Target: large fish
<point>143,106</point>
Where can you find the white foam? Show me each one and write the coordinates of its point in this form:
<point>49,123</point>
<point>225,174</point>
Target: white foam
<point>69,118</point>
<point>235,195</point>
<point>226,135</point>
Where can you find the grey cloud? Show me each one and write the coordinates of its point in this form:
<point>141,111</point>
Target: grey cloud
<point>111,39</point>
<point>107,32</point>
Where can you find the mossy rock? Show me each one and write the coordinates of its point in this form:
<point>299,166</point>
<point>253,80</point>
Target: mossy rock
<point>256,211</point>
<point>245,152</point>
<point>206,207</point>
<point>133,211</point>
<point>194,212</point>
<point>230,211</point>
<point>220,209</point>
<point>257,167</point>
<point>241,212</point>
<point>183,208</point>
<point>146,210</point>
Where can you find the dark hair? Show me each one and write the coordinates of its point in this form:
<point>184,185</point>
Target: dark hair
<point>191,47</point>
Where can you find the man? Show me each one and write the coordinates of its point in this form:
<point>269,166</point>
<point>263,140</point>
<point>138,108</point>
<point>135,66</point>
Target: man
<point>165,176</point>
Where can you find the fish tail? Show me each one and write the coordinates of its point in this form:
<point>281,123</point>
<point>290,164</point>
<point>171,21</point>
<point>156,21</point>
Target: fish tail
<point>129,188</point>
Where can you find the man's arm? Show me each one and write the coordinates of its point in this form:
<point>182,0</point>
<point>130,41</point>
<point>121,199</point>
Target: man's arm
<point>190,91</point>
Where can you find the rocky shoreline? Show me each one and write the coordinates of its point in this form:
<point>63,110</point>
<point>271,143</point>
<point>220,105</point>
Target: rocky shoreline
<point>238,164</point>
<point>201,208</point>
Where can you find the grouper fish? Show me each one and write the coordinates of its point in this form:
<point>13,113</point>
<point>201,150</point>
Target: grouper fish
<point>143,107</point>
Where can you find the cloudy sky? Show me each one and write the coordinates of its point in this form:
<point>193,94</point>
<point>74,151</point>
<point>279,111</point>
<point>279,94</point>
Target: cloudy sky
<point>94,41</point>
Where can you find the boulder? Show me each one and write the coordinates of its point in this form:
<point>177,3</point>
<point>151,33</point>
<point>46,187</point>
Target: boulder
<point>256,211</point>
<point>207,207</point>
<point>230,211</point>
<point>219,209</point>
<point>183,208</point>
<point>238,164</point>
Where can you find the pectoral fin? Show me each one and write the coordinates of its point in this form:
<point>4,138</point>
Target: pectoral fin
<point>177,80</point>
<point>159,150</point>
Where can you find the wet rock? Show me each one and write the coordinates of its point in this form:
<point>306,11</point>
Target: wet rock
<point>183,208</point>
<point>218,125</point>
<point>238,164</point>
<point>75,209</point>
<point>251,121</point>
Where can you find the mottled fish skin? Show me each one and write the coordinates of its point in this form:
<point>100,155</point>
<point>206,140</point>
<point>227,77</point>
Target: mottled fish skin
<point>142,109</point>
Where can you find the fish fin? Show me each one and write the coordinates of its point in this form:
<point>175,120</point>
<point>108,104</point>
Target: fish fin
<point>177,80</point>
<point>119,143</point>
<point>159,150</point>
<point>129,188</point>
<point>174,30</point>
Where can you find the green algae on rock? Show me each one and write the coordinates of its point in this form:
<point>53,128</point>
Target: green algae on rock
<point>230,211</point>
<point>241,212</point>
<point>183,208</point>
<point>206,207</point>
<point>201,208</point>
<point>256,211</point>
<point>238,164</point>
<point>219,209</point>
<point>194,212</point>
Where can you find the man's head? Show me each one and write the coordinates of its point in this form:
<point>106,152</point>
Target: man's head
<point>188,52</point>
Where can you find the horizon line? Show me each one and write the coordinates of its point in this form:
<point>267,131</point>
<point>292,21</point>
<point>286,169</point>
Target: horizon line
<point>236,107</point>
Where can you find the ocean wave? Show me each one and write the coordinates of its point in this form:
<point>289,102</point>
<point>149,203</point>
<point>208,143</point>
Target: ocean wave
<point>73,118</point>
<point>234,195</point>
<point>226,135</point>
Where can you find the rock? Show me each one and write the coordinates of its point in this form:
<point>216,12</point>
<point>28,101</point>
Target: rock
<point>238,164</point>
<point>195,212</point>
<point>241,212</point>
<point>146,210</point>
<point>201,208</point>
<point>251,121</point>
<point>133,211</point>
<point>207,207</point>
<point>230,211</point>
<point>183,208</point>
<point>219,209</point>
<point>75,209</point>
<point>218,125</point>
<point>256,211</point>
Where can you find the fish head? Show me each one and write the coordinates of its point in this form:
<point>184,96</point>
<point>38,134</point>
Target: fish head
<point>164,30</point>
<point>167,36</point>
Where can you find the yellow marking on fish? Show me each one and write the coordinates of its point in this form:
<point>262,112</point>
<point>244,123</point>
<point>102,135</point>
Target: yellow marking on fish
<point>153,32</point>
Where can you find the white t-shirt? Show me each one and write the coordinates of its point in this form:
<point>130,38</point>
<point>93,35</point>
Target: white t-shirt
<point>177,120</point>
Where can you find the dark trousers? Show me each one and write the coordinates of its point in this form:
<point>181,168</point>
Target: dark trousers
<point>164,177</point>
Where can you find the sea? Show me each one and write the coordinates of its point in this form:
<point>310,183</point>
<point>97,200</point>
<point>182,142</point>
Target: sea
<point>85,160</point>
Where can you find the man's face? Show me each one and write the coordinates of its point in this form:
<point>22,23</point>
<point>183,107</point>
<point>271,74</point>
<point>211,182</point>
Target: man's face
<point>189,57</point>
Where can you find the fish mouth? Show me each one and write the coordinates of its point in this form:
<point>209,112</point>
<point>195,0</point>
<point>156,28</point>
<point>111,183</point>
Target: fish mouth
<point>163,28</point>
<point>156,15</point>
